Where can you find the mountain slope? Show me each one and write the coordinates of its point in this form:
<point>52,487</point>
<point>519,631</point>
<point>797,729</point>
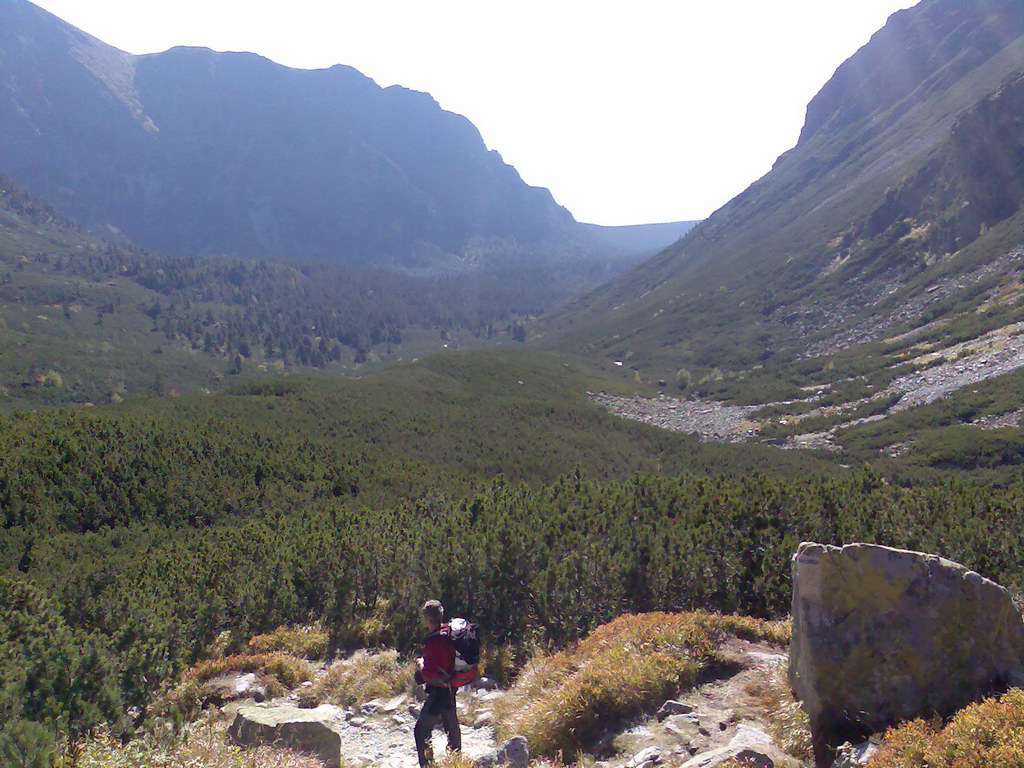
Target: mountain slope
<point>195,152</point>
<point>907,176</point>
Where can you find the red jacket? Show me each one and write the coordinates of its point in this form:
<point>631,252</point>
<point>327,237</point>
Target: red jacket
<point>438,658</point>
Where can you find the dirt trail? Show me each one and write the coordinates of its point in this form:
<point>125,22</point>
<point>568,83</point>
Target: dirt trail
<point>721,713</point>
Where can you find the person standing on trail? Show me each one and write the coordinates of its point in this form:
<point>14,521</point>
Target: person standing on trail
<point>436,669</point>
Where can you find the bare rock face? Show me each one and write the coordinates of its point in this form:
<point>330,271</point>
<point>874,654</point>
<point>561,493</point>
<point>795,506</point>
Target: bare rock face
<point>304,730</point>
<point>881,635</point>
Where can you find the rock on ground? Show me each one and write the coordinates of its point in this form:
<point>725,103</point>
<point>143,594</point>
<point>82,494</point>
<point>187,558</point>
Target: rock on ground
<point>855,755</point>
<point>744,755</point>
<point>881,635</point>
<point>514,753</point>
<point>305,730</point>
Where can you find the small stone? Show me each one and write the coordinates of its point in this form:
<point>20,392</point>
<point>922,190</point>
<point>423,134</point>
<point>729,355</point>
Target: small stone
<point>672,707</point>
<point>485,684</point>
<point>855,755</point>
<point>514,753</point>
<point>358,722</point>
<point>743,755</point>
<point>371,707</point>
<point>395,703</point>
<point>483,720</point>
<point>646,758</point>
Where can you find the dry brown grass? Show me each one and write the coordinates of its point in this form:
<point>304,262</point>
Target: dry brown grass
<point>304,642</point>
<point>362,677</point>
<point>277,673</point>
<point>787,722</point>
<point>989,734</point>
<point>204,745</point>
<point>288,670</point>
<point>562,702</point>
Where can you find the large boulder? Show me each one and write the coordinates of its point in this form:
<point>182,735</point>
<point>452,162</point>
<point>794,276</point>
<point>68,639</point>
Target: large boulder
<point>314,731</point>
<point>882,635</point>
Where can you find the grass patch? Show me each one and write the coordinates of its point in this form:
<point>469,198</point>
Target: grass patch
<point>362,677</point>
<point>989,734</point>
<point>287,670</point>
<point>202,745</point>
<point>562,702</point>
<point>788,723</point>
<point>304,642</point>
<point>277,673</point>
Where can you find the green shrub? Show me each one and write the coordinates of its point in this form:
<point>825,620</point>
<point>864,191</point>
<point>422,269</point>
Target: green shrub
<point>25,744</point>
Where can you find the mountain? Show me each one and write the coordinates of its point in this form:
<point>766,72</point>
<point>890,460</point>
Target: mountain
<point>195,152</point>
<point>900,206</point>
<point>640,238</point>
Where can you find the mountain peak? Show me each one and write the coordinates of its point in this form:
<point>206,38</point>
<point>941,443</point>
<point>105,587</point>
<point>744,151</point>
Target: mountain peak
<point>195,151</point>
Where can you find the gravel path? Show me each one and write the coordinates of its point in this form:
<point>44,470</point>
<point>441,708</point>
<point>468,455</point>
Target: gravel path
<point>388,742</point>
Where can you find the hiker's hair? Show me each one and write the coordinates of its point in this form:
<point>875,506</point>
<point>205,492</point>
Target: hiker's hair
<point>433,610</point>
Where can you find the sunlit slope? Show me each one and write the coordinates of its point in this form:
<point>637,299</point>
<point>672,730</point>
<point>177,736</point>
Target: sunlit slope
<point>908,171</point>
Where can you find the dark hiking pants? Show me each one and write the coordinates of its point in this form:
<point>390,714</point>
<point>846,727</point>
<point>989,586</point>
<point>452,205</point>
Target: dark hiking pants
<point>438,708</point>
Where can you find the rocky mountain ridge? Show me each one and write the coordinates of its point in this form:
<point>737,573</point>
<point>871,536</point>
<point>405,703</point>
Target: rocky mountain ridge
<point>194,152</point>
<point>908,173</point>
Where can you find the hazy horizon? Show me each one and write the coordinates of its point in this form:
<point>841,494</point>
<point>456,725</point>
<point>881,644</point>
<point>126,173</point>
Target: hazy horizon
<point>656,113</point>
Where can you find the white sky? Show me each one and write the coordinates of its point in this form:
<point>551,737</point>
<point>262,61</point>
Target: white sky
<point>630,112</point>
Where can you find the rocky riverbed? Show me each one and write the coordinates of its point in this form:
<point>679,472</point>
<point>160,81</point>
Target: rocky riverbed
<point>707,419</point>
<point>940,372</point>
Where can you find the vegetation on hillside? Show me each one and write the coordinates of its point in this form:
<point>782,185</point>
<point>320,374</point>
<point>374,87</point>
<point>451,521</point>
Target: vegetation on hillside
<point>129,602</point>
<point>88,321</point>
<point>989,734</point>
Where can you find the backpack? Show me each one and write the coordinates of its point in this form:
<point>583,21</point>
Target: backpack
<point>465,641</point>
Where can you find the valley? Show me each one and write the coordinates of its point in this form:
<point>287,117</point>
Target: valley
<point>285,353</point>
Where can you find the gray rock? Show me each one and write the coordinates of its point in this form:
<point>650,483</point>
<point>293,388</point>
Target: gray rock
<point>745,755</point>
<point>235,686</point>
<point>672,707</point>
<point>855,755</point>
<point>750,736</point>
<point>395,703</point>
<point>685,727</point>
<point>485,684</point>
<point>483,720</point>
<point>514,753</point>
<point>305,730</point>
<point>645,758</point>
<point>882,635</point>
<point>372,707</point>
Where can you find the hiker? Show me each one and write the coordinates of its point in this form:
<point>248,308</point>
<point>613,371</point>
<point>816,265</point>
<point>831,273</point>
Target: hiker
<point>436,672</point>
